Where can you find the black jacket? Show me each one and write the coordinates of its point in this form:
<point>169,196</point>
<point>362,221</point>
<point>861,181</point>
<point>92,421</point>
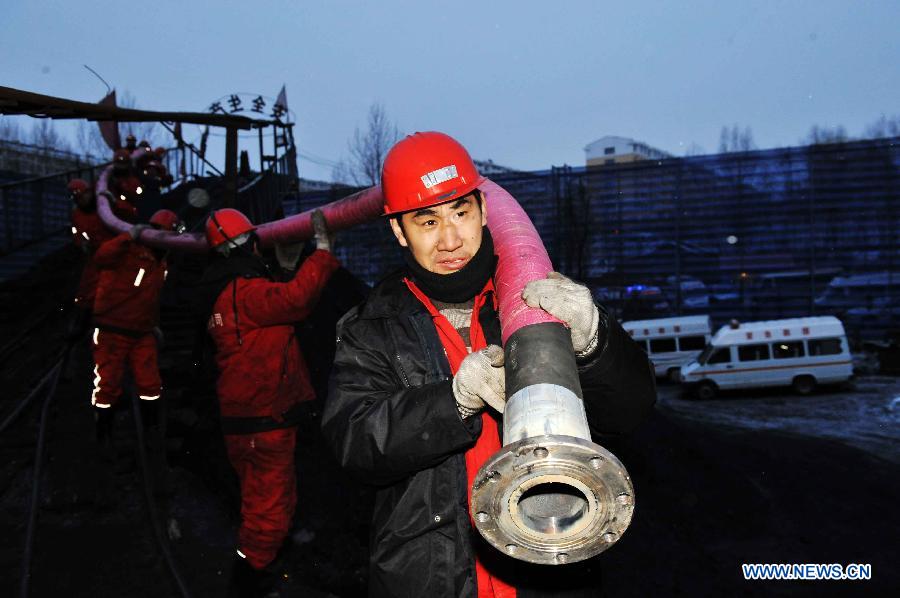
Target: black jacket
<point>391,419</point>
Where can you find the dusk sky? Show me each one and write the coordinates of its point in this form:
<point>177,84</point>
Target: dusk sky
<point>527,84</point>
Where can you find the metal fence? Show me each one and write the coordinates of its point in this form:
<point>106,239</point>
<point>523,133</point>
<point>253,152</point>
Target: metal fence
<point>34,209</point>
<point>752,235</point>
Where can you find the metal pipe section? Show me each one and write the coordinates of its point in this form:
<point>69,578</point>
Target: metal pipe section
<point>550,495</point>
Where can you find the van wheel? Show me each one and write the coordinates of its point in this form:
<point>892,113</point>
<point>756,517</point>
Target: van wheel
<point>706,390</point>
<point>674,375</point>
<point>804,385</point>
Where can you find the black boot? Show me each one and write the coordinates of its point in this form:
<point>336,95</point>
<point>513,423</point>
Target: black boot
<point>106,457</point>
<point>155,445</point>
<point>247,582</point>
<point>103,421</point>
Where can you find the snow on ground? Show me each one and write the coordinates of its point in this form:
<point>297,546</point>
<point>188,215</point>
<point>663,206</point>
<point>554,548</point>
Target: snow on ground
<point>864,413</point>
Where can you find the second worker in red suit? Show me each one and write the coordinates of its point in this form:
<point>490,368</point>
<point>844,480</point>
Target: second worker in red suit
<point>88,234</point>
<point>126,320</point>
<point>262,379</point>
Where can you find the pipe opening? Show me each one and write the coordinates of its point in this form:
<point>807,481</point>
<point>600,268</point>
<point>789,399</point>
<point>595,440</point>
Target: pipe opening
<point>553,508</point>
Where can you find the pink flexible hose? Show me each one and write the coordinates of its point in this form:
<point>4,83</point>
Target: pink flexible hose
<point>521,259</point>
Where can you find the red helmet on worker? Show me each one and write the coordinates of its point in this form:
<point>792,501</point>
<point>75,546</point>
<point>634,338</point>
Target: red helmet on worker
<point>165,220</point>
<point>77,187</point>
<point>426,169</point>
<point>227,224</point>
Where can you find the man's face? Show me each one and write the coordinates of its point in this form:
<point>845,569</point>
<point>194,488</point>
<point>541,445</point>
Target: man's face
<point>443,238</point>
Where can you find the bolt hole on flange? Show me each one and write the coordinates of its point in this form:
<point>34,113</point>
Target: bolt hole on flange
<point>624,499</point>
<point>493,476</point>
<point>552,508</point>
<point>540,452</point>
<point>482,517</point>
<point>511,549</point>
<point>609,537</point>
<point>562,558</point>
<point>596,462</point>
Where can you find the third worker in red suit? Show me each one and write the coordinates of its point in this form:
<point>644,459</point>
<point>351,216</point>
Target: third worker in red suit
<point>126,320</point>
<point>262,379</point>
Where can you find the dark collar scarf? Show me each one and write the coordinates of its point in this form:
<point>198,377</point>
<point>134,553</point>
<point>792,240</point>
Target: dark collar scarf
<point>462,285</point>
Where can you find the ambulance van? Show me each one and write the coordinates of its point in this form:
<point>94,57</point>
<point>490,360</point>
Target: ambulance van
<point>671,342</point>
<point>799,352</point>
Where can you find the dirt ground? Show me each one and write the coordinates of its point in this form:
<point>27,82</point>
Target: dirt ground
<point>746,478</point>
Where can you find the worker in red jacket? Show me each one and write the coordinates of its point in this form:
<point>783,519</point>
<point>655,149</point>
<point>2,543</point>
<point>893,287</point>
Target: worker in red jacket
<point>262,380</point>
<point>88,233</point>
<point>126,318</point>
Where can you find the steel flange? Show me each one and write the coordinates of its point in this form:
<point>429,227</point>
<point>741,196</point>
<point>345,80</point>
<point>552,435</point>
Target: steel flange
<point>552,500</point>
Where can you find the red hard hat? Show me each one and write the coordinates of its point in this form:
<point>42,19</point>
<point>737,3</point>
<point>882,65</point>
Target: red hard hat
<point>77,187</point>
<point>226,224</point>
<point>426,169</point>
<point>122,156</point>
<point>165,220</point>
<point>160,152</point>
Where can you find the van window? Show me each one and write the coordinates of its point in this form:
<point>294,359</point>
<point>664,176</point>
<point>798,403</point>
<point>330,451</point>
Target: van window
<point>824,346</point>
<point>721,355</point>
<point>691,343</point>
<point>753,352</point>
<point>785,350</point>
<point>662,345</point>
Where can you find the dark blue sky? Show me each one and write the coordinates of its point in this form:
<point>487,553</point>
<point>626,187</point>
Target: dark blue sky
<point>527,84</point>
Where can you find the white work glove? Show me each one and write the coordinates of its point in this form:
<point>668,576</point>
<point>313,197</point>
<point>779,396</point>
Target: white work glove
<point>288,255</point>
<point>479,380</point>
<point>570,302</point>
<point>324,239</point>
<point>135,231</point>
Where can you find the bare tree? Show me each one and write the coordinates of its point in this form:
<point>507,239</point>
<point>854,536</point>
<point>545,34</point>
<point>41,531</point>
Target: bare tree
<point>91,142</point>
<point>820,135</point>
<point>10,129</point>
<point>734,140</point>
<point>44,135</point>
<point>367,150</point>
<point>883,127</point>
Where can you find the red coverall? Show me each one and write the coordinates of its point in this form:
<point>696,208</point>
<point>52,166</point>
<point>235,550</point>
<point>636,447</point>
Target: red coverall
<point>126,309</point>
<point>88,233</point>
<point>262,374</point>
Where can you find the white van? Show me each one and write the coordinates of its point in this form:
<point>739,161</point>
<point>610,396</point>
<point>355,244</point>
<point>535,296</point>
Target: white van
<point>671,342</point>
<point>800,352</point>
<point>859,291</point>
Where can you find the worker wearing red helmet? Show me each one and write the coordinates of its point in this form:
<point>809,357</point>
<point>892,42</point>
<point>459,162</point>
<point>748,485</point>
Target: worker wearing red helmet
<point>126,319</point>
<point>88,233</point>
<point>417,389</point>
<point>124,188</point>
<point>262,380</point>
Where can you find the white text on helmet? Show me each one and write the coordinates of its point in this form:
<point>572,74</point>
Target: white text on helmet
<point>441,175</point>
